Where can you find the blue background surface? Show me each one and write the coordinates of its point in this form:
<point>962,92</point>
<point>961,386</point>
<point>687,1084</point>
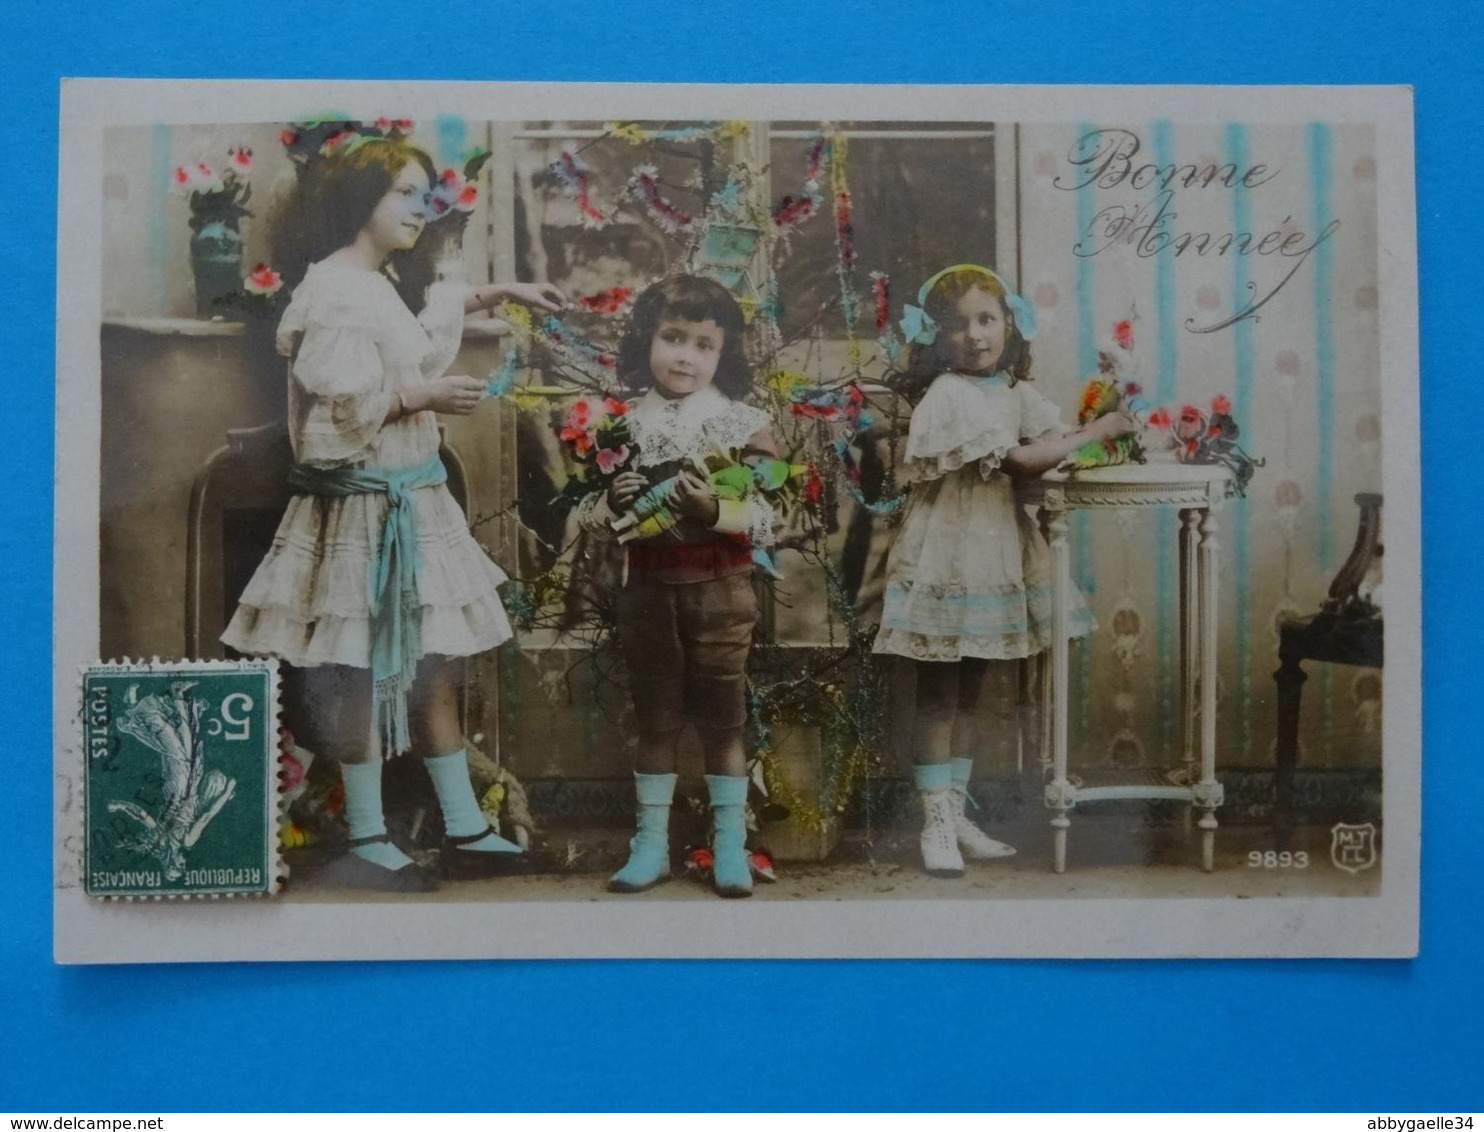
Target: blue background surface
<point>1004,1035</point>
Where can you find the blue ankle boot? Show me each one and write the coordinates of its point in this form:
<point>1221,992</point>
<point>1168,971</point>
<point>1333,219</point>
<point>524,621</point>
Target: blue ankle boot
<point>649,848</point>
<point>731,872</point>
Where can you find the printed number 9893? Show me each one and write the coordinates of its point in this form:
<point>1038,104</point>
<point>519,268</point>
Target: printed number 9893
<point>1272,860</point>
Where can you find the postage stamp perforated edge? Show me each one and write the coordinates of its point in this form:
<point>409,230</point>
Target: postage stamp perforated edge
<point>206,884</point>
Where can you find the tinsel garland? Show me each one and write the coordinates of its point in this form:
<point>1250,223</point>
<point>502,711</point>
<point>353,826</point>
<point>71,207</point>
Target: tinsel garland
<point>566,341</point>
<point>844,245</point>
<point>573,179</point>
<point>644,185</point>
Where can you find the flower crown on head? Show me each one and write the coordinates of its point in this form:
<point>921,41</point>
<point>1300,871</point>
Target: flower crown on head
<point>920,327</point>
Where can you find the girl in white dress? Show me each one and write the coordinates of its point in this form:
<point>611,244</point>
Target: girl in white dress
<point>373,581</point>
<point>968,577</point>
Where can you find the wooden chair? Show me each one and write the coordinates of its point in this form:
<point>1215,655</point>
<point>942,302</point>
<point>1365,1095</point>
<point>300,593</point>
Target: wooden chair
<point>1347,630</point>
<point>237,501</point>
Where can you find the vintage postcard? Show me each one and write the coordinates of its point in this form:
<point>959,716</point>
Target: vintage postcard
<point>620,520</point>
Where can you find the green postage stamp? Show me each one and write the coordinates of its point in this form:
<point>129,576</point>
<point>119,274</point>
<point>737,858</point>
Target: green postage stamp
<point>181,778</point>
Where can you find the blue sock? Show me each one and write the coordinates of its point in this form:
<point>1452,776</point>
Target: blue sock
<point>462,816</point>
<point>364,815</point>
<point>930,777</point>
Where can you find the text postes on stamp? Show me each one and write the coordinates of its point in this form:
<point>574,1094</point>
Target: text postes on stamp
<point>181,778</point>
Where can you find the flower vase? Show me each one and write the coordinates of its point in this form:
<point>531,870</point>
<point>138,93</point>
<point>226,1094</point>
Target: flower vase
<point>216,262</point>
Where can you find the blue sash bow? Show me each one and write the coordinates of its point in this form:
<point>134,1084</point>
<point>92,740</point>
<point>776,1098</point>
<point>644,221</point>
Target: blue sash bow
<point>396,612</point>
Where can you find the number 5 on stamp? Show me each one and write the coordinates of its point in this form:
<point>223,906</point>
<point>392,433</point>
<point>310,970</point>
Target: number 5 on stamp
<point>180,778</point>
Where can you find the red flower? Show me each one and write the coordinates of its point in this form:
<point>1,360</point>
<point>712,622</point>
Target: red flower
<point>1159,418</point>
<point>288,137</point>
<point>699,859</point>
<point>262,280</point>
<point>1132,389</point>
<point>335,141</point>
<point>761,862</point>
<point>1220,404</point>
<point>615,407</point>
<point>1123,333</point>
<point>1190,423</point>
<point>575,430</point>
<point>1214,430</point>
<point>611,300</point>
<point>241,160</point>
<point>1192,447</point>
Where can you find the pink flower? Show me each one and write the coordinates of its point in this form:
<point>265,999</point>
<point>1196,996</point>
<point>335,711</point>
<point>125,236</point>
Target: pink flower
<point>579,414</point>
<point>1220,404</point>
<point>240,160</point>
<point>615,407</point>
<point>610,459</point>
<point>262,280</point>
<point>1123,333</point>
<point>1132,389</point>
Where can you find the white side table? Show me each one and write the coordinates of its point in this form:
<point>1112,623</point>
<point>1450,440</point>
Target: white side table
<point>1198,491</point>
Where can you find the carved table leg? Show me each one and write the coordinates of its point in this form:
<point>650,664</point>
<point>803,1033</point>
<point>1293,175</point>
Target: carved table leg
<point>1190,639</point>
<point>1290,679</point>
<point>1044,685</point>
<point>1058,792</point>
<point>1208,791</point>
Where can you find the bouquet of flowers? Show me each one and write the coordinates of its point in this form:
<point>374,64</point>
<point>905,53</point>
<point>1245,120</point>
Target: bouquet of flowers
<point>598,440</point>
<point>217,197</point>
<point>1199,437</point>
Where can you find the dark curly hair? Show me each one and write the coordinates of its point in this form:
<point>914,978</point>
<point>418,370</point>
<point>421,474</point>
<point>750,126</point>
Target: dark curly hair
<point>925,362</point>
<point>694,299</point>
<point>333,200</point>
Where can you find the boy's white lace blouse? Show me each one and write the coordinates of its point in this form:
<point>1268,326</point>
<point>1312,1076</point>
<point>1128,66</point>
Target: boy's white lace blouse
<point>691,428</point>
<point>955,425</point>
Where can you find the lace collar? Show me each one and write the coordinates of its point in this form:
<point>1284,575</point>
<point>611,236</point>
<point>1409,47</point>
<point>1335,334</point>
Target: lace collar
<point>690,426</point>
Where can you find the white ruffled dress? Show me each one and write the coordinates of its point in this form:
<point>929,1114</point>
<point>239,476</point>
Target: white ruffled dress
<point>969,574</point>
<point>308,601</point>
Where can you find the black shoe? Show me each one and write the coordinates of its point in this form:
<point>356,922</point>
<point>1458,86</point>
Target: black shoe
<point>354,871</point>
<point>471,864</point>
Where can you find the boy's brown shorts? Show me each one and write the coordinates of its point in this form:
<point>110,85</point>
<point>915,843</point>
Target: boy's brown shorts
<point>685,646</point>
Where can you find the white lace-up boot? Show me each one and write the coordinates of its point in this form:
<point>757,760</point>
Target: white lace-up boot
<point>973,842</point>
<point>940,855</point>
